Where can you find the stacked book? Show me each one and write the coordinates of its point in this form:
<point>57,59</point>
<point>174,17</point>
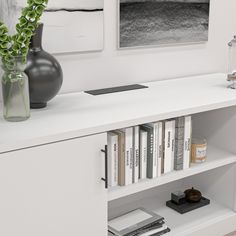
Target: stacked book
<point>149,150</point>
<point>139,222</point>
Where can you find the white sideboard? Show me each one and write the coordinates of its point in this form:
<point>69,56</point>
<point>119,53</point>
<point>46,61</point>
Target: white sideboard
<point>51,165</point>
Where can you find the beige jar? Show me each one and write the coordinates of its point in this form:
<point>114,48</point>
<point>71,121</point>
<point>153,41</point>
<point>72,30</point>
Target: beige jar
<point>199,150</point>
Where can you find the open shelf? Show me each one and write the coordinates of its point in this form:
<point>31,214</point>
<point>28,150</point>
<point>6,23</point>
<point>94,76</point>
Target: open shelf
<point>218,218</point>
<point>190,222</point>
<point>215,158</point>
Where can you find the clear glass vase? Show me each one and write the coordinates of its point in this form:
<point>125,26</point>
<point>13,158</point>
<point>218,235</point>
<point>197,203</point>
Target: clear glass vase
<point>232,63</point>
<point>15,90</point>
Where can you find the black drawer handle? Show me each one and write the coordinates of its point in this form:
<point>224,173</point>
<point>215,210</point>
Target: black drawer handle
<point>106,167</point>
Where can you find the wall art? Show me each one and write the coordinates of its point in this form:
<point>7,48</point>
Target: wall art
<point>143,23</point>
<point>69,25</point>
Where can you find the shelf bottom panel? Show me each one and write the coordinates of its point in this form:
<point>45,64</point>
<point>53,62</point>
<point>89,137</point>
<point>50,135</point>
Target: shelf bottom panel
<point>192,221</point>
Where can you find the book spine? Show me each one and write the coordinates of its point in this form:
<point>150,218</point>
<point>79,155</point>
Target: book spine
<point>160,149</point>
<point>143,155</point>
<point>172,145</point>
<point>136,154</point>
<point>157,231</point>
<point>179,143</point>
<point>150,154</point>
<point>150,137</point>
<point>168,144</point>
<point>187,141</point>
<point>128,156</point>
<point>155,150</point>
<point>163,148</point>
<point>121,159</point>
<point>113,160</point>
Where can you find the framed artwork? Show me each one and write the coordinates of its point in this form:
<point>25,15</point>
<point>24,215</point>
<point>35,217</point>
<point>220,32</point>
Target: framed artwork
<point>148,23</point>
<point>69,25</point>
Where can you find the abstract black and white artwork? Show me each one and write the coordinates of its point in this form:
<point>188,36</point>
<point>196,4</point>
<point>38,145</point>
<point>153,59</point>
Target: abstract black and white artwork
<point>162,22</point>
<point>69,25</point>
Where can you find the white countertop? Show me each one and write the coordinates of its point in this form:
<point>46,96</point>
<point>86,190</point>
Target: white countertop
<point>79,114</point>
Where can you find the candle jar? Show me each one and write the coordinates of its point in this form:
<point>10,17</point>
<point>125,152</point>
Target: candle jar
<point>199,149</point>
<point>232,63</point>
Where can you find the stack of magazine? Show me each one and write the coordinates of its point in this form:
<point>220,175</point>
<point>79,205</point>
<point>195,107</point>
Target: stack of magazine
<point>139,222</point>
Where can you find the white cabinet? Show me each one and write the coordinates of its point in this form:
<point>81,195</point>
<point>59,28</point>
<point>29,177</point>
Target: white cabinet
<point>54,189</point>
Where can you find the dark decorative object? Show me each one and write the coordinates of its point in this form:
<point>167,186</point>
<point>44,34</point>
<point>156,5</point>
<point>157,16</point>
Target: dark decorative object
<point>189,200</point>
<point>44,72</point>
<point>187,207</point>
<point>116,89</point>
<point>193,195</point>
<point>178,197</point>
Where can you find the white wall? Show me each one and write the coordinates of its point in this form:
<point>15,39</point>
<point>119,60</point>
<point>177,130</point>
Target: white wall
<point>112,67</point>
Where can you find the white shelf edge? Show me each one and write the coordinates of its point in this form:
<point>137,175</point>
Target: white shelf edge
<point>119,192</point>
<point>208,92</point>
<point>77,133</point>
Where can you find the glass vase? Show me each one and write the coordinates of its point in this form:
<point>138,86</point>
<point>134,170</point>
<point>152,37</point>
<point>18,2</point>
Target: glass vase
<point>232,63</point>
<point>15,90</point>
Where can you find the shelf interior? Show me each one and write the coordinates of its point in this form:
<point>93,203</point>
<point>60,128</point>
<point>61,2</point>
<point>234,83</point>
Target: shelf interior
<point>216,126</point>
<point>217,185</point>
<point>183,224</point>
<point>215,158</point>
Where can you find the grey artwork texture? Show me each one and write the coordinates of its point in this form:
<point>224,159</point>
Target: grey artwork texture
<point>162,22</point>
<point>69,25</point>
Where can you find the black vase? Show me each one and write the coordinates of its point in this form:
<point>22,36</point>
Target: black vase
<point>44,72</point>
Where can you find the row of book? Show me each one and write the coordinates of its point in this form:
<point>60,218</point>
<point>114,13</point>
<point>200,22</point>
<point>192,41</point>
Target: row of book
<point>148,150</point>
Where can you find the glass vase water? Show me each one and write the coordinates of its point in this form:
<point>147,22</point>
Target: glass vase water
<point>15,90</point>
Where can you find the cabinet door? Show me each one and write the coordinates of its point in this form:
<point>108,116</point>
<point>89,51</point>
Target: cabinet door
<point>54,190</point>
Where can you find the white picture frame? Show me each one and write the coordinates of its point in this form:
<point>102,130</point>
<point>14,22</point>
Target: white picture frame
<point>69,25</point>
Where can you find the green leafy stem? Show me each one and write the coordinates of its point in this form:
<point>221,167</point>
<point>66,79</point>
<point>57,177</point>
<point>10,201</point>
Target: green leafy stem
<point>18,44</point>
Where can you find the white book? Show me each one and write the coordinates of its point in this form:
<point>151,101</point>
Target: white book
<point>136,154</point>
<point>168,147</point>
<point>173,145</point>
<point>112,159</point>
<point>143,155</point>
<point>187,141</point>
<point>159,149</point>
<point>156,146</point>
<point>128,155</point>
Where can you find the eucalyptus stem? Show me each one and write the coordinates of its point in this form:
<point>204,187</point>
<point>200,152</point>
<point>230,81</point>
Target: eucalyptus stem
<point>18,44</point>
